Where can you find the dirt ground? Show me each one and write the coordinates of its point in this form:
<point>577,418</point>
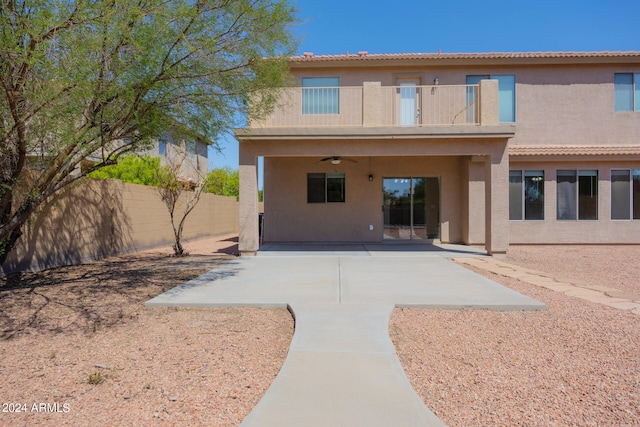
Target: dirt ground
<point>79,348</point>
<point>574,364</point>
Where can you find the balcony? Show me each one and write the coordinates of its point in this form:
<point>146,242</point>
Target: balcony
<point>373,105</point>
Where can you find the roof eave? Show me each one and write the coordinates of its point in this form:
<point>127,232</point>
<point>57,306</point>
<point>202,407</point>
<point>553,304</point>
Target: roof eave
<point>465,59</point>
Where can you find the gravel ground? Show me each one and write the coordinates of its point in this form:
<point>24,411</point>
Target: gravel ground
<point>80,340</point>
<point>574,364</point>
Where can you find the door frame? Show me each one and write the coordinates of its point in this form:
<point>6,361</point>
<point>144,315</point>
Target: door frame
<point>412,179</point>
<point>408,81</point>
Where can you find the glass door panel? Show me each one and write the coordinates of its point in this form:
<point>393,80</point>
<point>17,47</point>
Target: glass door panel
<point>397,208</point>
<point>419,208</point>
<point>408,104</point>
<point>408,101</point>
<point>411,208</point>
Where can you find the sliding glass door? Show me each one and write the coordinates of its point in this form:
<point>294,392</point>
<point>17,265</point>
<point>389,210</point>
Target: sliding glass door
<point>411,208</point>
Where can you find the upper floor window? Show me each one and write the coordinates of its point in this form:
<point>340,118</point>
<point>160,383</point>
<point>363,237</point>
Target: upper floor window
<point>191,148</point>
<point>625,194</point>
<point>526,195</point>
<point>506,94</point>
<point>626,91</point>
<point>162,145</point>
<point>321,95</point>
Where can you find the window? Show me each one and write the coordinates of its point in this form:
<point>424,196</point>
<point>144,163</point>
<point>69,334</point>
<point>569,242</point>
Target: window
<point>526,195</point>
<point>191,148</point>
<point>625,194</point>
<point>626,88</point>
<point>162,145</point>
<point>577,194</point>
<point>506,94</point>
<point>325,188</point>
<point>321,95</point>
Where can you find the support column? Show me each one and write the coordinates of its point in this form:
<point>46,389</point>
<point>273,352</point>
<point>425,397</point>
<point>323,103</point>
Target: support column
<point>474,215</point>
<point>489,109</point>
<point>248,239</point>
<point>497,201</point>
<point>371,104</point>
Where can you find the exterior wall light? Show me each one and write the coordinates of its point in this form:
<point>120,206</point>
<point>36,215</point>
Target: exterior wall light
<point>370,177</point>
<point>436,81</point>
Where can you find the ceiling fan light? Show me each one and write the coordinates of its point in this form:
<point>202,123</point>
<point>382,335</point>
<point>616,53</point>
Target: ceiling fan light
<point>335,161</point>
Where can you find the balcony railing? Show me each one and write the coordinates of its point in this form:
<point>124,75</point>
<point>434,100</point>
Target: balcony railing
<point>429,105</point>
<point>373,105</point>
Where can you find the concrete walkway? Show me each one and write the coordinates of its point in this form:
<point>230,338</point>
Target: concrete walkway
<point>342,368</point>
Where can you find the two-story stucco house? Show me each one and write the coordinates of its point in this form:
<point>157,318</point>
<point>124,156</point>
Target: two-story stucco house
<point>475,148</point>
<point>186,152</point>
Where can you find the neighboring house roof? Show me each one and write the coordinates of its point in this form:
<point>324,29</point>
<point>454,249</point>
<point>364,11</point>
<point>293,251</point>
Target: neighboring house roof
<point>571,150</point>
<point>382,59</point>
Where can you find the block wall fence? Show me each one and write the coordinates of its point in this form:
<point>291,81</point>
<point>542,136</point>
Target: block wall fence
<point>100,218</point>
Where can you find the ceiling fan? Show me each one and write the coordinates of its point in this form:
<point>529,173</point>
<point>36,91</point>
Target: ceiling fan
<point>335,160</point>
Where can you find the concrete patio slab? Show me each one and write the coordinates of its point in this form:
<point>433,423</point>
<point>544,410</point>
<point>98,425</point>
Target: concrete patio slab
<point>256,281</point>
<point>431,282</point>
<point>342,368</point>
<point>425,282</point>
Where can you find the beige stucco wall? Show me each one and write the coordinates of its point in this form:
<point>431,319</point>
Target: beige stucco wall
<point>290,218</point>
<point>555,104</point>
<point>101,218</point>
<point>563,104</point>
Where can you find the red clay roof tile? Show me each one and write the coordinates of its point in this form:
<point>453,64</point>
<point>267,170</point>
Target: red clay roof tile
<point>364,56</point>
<point>567,150</point>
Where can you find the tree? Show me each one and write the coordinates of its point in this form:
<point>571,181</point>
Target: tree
<point>98,79</point>
<point>224,182</point>
<point>132,169</point>
<point>179,195</point>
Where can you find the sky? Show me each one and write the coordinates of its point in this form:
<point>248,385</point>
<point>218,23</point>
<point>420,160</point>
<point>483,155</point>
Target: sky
<point>412,26</point>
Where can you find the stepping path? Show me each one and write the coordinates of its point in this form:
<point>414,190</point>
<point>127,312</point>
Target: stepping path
<point>342,368</point>
<point>599,294</point>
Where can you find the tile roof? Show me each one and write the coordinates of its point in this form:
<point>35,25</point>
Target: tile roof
<point>568,150</point>
<point>439,56</point>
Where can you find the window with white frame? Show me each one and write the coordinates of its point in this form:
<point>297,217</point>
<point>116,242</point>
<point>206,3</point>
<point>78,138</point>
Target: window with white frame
<point>526,195</point>
<point>321,95</point>
<point>506,94</point>
<point>577,194</point>
<point>325,188</point>
<point>626,87</point>
<point>625,194</point>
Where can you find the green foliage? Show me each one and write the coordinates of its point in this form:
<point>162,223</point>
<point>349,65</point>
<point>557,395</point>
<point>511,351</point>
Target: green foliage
<point>132,169</point>
<point>97,79</point>
<point>224,182</point>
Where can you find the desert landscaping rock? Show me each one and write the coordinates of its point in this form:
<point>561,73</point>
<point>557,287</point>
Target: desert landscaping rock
<point>59,328</point>
<point>575,363</point>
